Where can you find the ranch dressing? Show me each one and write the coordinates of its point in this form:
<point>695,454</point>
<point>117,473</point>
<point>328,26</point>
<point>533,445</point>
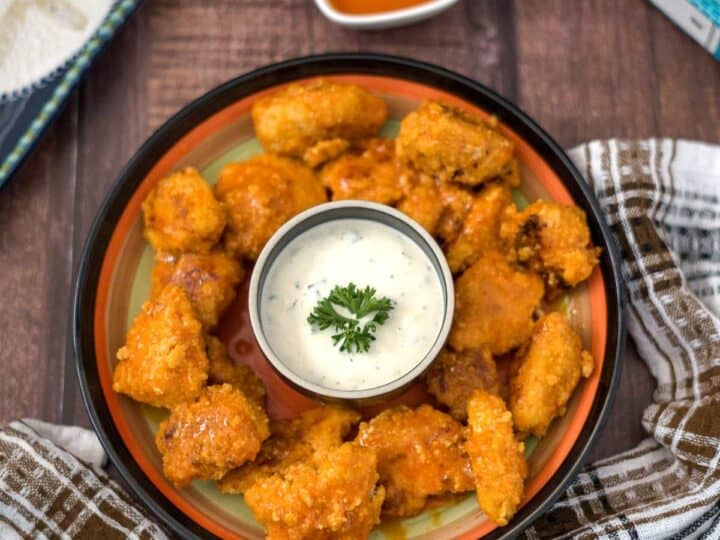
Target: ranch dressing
<point>365,253</point>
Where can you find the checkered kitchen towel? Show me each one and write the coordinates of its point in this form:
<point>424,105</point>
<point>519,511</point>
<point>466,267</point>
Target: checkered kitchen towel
<point>662,199</point>
<point>47,492</point>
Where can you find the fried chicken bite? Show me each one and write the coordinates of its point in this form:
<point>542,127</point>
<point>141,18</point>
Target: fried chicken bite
<point>368,173</point>
<point>293,441</point>
<point>261,194</point>
<point>209,280</point>
<point>456,203</point>
<point>163,362</point>
<point>220,431</point>
<point>552,239</point>
<point>420,453</point>
<point>452,145</point>
<point>331,496</point>
<point>497,458</point>
<point>549,371</point>
<point>510,175</point>
<point>439,208</point>
<point>454,376</point>
<point>480,231</point>
<point>181,214</point>
<point>315,120</point>
<point>494,305</point>
<point>222,370</point>
<point>423,204</point>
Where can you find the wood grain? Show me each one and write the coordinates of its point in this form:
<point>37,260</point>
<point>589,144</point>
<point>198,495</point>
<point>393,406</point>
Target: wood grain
<point>584,70</point>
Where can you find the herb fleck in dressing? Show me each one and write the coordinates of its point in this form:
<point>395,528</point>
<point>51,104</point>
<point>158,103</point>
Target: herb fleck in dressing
<point>351,251</point>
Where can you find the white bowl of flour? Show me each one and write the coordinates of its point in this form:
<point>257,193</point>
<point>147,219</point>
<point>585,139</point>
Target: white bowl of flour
<point>38,37</point>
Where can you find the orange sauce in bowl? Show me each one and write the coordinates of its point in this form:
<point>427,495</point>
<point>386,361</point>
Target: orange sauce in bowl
<point>365,7</point>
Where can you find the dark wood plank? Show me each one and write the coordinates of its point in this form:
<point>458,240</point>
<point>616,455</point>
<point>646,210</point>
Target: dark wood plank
<point>688,85</point>
<point>196,45</point>
<point>472,38</point>
<point>112,124</point>
<point>623,429</point>
<point>585,68</point>
<point>35,223</point>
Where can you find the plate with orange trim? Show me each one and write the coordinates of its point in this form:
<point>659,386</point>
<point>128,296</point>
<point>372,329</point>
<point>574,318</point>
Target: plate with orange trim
<point>215,129</point>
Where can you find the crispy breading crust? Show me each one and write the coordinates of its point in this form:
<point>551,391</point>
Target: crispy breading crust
<point>163,362</point>
<point>261,194</point>
<point>181,214</point>
<point>292,441</point>
<point>420,453</point>
<point>422,203</point>
<point>497,458</point>
<point>552,239</point>
<point>209,280</point>
<point>222,370</point>
<point>368,173</point>
<point>456,202</point>
<point>331,496</point>
<point>480,231</point>
<point>301,117</point>
<point>452,145</point>
<point>549,371</point>
<point>454,376</point>
<point>220,431</point>
<point>494,306</point>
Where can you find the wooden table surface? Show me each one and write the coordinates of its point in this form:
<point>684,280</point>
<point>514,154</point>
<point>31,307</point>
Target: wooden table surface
<point>583,70</point>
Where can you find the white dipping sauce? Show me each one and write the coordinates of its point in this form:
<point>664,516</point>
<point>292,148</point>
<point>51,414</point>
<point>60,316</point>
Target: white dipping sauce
<point>365,253</point>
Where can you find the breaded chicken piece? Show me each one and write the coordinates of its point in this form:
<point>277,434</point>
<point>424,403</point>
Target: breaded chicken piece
<point>549,371</point>
<point>423,204</point>
<point>456,203</point>
<point>494,306</point>
<point>368,173</point>
<point>325,151</point>
<point>511,174</point>
<point>420,453</point>
<point>312,120</point>
<point>481,229</point>
<point>181,214</point>
<point>507,367</point>
<point>454,376</point>
<point>439,208</point>
<point>331,496</point>
<point>552,239</point>
<point>222,370</point>
<point>261,194</point>
<point>163,362</point>
<point>452,145</point>
<point>497,458</point>
<point>220,431</point>
<point>209,280</point>
<point>292,441</point>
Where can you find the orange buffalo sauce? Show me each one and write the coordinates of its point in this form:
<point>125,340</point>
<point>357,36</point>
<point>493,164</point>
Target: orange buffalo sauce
<point>373,6</point>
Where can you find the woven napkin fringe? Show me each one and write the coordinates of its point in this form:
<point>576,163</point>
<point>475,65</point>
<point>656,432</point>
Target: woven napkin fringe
<point>662,199</point>
<point>46,492</point>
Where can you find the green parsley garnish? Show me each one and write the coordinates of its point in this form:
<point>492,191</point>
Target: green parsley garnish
<point>360,303</point>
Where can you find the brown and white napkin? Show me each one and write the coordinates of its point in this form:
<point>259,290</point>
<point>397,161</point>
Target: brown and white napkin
<point>662,199</point>
<point>47,492</point>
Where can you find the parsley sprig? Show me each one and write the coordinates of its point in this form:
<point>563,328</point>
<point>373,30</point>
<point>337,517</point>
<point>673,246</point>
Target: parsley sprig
<point>350,333</point>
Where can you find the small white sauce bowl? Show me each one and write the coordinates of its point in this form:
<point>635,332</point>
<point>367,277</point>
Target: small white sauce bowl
<point>384,19</point>
<point>350,210</point>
